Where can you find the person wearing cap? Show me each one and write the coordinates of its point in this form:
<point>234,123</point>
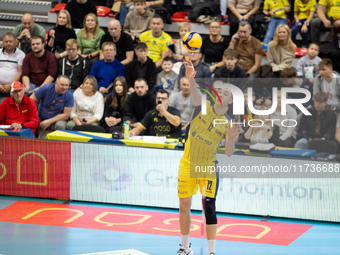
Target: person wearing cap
<point>11,59</point>
<point>19,111</point>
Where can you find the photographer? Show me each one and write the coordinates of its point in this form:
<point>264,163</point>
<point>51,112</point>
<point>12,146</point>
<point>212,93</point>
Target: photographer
<point>162,121</point>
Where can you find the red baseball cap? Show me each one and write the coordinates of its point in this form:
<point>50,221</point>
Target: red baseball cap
<point>17,85</point>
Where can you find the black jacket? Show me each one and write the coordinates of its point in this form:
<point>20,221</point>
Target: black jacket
<point>134,70</point>
<point>77,73</point>
<point>232,77</point>
<point>136,107</point>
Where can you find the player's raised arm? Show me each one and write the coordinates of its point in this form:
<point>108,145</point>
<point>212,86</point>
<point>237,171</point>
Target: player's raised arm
<point>190,73</point>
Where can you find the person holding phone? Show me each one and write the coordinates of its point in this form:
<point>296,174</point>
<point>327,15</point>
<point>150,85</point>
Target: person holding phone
<point>164,120</point>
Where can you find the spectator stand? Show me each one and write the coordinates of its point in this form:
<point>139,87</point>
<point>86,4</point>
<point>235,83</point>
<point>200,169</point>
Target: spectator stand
<point>104,14</point>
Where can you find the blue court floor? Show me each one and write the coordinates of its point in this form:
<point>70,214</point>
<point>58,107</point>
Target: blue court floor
<point>29,239</point>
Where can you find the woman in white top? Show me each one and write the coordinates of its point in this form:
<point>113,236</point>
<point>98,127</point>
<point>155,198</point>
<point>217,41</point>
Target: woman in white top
<point>88,105</point>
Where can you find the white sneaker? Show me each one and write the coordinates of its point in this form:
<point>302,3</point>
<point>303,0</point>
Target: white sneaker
<point>183,251</point>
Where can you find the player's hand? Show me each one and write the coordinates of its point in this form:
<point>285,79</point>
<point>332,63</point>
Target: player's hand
<point>189,69</point>
<point>234,130</point>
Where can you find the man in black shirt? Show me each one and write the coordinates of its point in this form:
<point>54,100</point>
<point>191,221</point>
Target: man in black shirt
<point>78,9</point>
<point>142,67</point>
<point>162,121</point>
<point>138,103</point>
<point>123,42</point>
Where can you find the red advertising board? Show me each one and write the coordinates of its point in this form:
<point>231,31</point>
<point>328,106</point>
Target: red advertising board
<point>35,168</point>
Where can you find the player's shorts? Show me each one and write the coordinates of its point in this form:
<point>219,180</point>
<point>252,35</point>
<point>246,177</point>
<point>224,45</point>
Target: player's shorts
<point>188,187</point>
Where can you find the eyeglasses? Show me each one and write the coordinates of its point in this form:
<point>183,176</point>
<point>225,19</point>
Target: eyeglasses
<point>71,49</point>
<point>161,98</point>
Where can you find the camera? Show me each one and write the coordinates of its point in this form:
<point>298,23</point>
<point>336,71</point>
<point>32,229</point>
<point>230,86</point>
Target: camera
<point>159,102</point>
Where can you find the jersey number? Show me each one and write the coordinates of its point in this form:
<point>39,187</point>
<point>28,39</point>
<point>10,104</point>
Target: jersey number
<point>209,185</point>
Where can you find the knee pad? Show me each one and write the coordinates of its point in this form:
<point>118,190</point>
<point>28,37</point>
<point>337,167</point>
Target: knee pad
<point>210,211</point>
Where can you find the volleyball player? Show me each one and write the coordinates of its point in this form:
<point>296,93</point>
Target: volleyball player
<point>200,151</point>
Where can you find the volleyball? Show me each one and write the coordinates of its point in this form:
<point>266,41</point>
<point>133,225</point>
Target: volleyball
<point>192,41</point>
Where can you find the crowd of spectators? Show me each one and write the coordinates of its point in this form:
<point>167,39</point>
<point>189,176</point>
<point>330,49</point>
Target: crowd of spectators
<point>96,80</point>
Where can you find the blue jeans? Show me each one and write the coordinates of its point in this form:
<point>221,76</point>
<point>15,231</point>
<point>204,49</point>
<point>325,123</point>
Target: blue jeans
<point>297,29</point>
<point>272,25</point>
<point>122,14</point>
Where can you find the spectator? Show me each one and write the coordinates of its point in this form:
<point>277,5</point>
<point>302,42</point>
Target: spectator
<point>138,103</point>
<point>73,65</point>
<point>107,69</point>
<point>289,79</point>
<point>88,105</point>
<point>26,30</point>
<point>328,17</point>
<point>201,68</point>
<point>55,104</point>
<point>122,40</point>
<point>114,106</point>
<point>328,82</point>
<point>249,48</point>
<point>213,46</point>
<point>239,10</point>
<point>308,65</point>
<point>230,70</point>
<point>39,66</point>
<point>319,125</point>
<point>141,67</point>
<point>303,14</point>
<point>58,36</point>
<point>261,129</point>
<point>262,86</point>
<point>11,59</point>
<point>89,38</point>
<point>167,79</point>
<point>181,100</point>
<point>157,41</point>
<point>277,12</point>
<point>164,120</point>
<point>281,51</point>
<point>19,111</point>
<point>181,52</point>
<point>78,9</point>
<point>138,20</point>
<point>247,117</point>
<point>287,132</point>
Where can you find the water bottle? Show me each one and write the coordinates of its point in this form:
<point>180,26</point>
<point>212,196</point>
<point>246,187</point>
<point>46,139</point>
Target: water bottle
<point>126,130</point>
